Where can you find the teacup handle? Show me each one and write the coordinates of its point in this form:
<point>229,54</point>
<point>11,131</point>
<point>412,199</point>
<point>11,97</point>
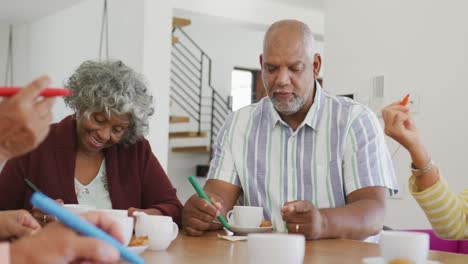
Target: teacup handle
<point>175,230</point>
<point>230,217</point>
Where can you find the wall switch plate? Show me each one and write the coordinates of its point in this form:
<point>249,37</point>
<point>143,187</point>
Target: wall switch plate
<point>377,94</point>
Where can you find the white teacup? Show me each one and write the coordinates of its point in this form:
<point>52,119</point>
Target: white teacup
<point>79,208</point>
<point>125,222</point>
<point>113,212</point>
<point>413,246</point>
<point>126,227</point>
<point>275,248</point>
<point>245,216</point>
<point>161,230</point>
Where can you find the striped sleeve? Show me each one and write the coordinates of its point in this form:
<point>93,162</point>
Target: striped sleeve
<point>367,161</point>
<point>222,166</point>
<point>446,211</point>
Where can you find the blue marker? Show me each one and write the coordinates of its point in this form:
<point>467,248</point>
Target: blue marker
<point>77,223</point>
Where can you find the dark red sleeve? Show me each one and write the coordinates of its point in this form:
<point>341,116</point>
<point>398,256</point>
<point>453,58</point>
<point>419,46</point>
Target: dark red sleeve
<point>12,189</point>
<point>157,190</point>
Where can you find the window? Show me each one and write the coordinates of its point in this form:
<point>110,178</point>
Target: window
<point>241,88</point>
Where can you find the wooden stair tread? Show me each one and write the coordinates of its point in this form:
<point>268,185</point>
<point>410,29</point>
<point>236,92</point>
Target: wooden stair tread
<point>180,22</point>
<point>205,149</point>
<point>187,134</point>
<point>175,40</point>
<point>179,119</point>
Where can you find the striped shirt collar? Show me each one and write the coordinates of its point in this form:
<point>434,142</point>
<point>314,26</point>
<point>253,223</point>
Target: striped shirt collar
<point>312,118</point>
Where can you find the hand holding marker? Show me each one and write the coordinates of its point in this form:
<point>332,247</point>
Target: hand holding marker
<point>203,195</point>
<point>405,100</point>
<point>43,202</point>
<point>8,91</point>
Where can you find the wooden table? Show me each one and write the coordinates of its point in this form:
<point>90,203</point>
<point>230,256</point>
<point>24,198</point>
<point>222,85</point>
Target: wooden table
<point>211,249</point>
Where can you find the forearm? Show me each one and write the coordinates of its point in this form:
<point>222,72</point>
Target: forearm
<point>225,196</point>
<point>6,127</point>
<point>19,254</point>
<point>420,158</point>
<point>443,208</point>
<point>357,220</point>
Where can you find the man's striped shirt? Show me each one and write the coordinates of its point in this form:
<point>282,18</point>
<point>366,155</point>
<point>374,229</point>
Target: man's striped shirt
<point>338,148</point>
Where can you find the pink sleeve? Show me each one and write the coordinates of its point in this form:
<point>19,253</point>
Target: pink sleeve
<point>4,253</point>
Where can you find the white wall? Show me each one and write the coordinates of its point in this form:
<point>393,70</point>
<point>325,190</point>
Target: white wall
<point>57,44</point>
<point>156,66</point>
<point>421,47</point>
<point>258,12</point>
<point>3,50</point>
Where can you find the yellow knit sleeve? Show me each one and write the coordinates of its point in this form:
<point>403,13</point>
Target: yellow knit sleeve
<point>446,211</point>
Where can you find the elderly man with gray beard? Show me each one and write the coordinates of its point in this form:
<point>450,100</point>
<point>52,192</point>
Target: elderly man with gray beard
<point>318,164</point>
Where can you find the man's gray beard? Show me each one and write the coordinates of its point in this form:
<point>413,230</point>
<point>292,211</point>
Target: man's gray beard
<point>291,107</point>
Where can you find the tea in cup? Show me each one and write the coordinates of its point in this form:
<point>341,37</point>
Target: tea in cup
<point>161,230</point>
<point>245,216</point>
<point>412,246</point>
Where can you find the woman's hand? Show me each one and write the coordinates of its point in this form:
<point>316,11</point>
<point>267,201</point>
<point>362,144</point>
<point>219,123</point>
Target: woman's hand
<point>16,224</point>
<point>400,126</point>
<point>57,243</point>
<point>42,218</point>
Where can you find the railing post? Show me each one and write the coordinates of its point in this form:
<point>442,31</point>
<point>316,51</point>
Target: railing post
<point>218,112</point>
<point>200,94</point>
<point>212,136</point>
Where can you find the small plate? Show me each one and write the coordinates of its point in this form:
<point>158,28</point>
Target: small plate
<point>138,249</point>
<point>380,260</point>
<point>246,230</point>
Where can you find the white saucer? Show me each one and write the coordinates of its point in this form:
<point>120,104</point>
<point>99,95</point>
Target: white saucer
<point>138,249</point>
<point>246,230</point>
<point>380,260</point>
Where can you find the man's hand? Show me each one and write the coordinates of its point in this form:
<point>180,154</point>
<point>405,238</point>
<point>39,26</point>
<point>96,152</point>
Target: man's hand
<point>302,217</point>
<point>58,244</point>
<point>199,216</point>
<point>24,120</point>
<point>16,224</point>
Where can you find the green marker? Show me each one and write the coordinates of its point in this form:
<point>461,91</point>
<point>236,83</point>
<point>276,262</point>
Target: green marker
<point>203,195</point>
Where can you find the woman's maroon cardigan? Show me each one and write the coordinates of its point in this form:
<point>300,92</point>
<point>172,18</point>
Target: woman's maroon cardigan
<point>135,177</point>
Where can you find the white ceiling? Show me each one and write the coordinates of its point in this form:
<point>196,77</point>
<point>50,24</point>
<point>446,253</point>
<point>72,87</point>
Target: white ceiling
<point>20,11</point>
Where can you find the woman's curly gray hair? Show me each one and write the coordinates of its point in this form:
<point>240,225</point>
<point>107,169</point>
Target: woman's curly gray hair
<point>113,88</point>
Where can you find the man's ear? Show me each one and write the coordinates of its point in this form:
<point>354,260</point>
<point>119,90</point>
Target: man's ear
<point>261,61</point>
<point>317,65</point>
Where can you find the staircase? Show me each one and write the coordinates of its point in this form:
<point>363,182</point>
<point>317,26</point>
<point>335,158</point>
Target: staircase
<point>198,109</point>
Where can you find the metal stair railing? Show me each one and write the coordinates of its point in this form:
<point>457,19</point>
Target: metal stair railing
<point>192,89</point>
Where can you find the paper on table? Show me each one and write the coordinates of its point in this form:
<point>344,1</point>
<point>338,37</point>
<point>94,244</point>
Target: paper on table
<point>233,238</point>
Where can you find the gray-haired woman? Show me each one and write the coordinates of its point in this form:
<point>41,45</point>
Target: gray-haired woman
<point>98,156</point>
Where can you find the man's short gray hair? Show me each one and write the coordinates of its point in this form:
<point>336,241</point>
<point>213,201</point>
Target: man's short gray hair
<point>111,87</point>
<point>290,24</point>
